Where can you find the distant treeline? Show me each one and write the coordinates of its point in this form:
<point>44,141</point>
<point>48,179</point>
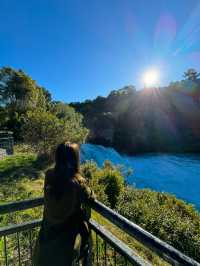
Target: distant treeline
<point>150,120</point>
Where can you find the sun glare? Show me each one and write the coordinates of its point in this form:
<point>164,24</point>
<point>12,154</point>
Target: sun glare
<point>151,78</point>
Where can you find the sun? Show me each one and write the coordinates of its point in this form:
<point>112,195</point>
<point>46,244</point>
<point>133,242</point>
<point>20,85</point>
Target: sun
<point>151,78</point>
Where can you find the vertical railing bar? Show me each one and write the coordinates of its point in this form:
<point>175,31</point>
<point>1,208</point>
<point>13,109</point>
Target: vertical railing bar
<point>30,246</point>
<point>5,251</point>
<point>125,260</point>
<point>105,253</point>
<point>115,258</point>
<point>90,255</point>
<point>97,249</point>
<point>18,249</point>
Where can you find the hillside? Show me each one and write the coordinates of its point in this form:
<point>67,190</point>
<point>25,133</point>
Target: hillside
<point>170,219</point>
<point>150,120</point>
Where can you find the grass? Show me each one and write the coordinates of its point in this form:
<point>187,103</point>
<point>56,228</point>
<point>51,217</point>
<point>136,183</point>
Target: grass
<point>140,249</point>
<point>21,165</point>
<point>22,177</point>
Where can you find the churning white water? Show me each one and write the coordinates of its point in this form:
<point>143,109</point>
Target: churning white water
<point>173,173</point>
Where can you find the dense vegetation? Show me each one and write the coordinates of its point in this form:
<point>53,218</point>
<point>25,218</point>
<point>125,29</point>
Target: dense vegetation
<point>28,111</point>
<point>161,214</point>
<point>164,119</point>
<point>151,120</point>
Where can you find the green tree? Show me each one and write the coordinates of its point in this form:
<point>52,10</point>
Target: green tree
<point>19,94</point>
<point>191,74</point>
<point>18,91</point>
<point>72,120</point>
<point>43,130</point>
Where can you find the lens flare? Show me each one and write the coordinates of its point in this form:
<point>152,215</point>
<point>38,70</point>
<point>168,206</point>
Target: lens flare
<point>151,78</point>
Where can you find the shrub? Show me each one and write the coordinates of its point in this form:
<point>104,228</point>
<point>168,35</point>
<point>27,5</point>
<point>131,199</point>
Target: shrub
<point>91,172</point>
<point>88,169</point>
<point>107,182</point>
<point>163,215</point>
<point>113,183</point>
<point>44,130</point>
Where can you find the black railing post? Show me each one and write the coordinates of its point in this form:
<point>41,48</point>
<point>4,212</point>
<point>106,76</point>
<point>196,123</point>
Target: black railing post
<point>18,249</point>
<point>5,251</point>
<point>87,261</point>
<point>163,249</point>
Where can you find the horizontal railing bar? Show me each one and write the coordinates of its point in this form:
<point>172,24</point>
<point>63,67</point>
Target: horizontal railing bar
<point>120,247</point>
<point>21,205</point>
<point>164,250</point>
<point>12,229</point>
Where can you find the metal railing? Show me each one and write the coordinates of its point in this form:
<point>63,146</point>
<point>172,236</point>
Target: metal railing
<point>7,141</point>
<point>107,249</point>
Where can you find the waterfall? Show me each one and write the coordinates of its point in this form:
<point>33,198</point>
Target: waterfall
<point>173,173</point>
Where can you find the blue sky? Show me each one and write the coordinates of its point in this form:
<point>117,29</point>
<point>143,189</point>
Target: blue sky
<point>80,49</point>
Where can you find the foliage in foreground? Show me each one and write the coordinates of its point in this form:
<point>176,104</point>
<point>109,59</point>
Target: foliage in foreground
<point>166,217</point>
<point>107,182</point>
<point>162,214</point>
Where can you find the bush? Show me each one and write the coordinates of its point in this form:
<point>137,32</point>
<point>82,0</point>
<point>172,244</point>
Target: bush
<point>22,148</point>
<point>163,215</point>
<point>91,172</point>
<point>166,217</point>
<point>88,169</point>
<point>113,183</point>
<point>44,130</point>
<point>107,182</point>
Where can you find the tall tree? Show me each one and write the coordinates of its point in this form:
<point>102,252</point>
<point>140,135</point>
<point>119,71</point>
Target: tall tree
<point>191,74</point>
<point>72,120</point>
<point>43,130</point>
<point>19,94</point>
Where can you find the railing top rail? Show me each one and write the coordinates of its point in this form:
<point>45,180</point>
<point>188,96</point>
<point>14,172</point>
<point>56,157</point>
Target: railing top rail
<point>164,250</point>
<point>6,138</point>
<point>6,132</point>
<point>20,205</point>
<point>12,229</point>
<point>118,245</point>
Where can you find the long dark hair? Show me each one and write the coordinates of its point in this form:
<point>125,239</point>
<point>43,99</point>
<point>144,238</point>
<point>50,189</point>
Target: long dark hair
<point>67,167</point>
